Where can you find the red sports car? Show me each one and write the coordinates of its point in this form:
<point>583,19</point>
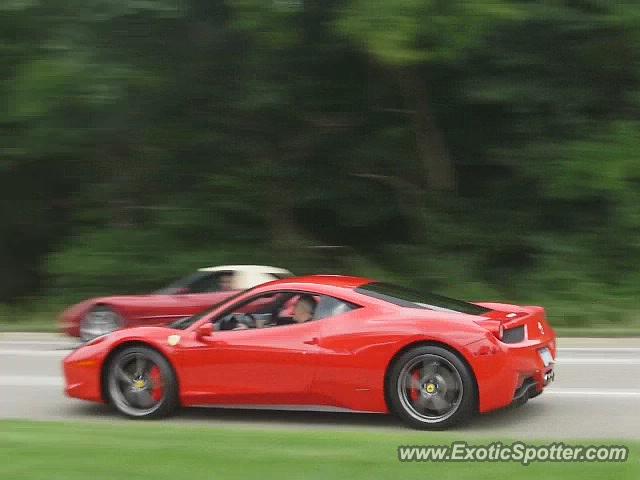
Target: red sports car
<point>326,341</point>
<point>184,297</point>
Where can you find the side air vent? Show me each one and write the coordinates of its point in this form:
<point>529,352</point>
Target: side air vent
<point>513,335</point>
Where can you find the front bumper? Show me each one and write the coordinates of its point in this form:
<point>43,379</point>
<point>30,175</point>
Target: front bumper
<point>82,373</point>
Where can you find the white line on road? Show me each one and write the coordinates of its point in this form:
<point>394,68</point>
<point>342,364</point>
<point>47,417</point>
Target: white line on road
<point>34,353</point>
<point>55,381</point>
<point>56,343</point>
<point>583,392</point>
<point>30,381</point>
<point>598,361</point>
<point>598,349</point>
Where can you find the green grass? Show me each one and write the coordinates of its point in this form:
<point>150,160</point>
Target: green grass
<point>68,451</point>
<point>36,322</point>
<point>37,316</point>
<point>29,326</point>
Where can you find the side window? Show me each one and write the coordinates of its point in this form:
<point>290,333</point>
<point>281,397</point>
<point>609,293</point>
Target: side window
<point>258,312</point>
<point>214,282</point>
<point>281,308</point>
<point>200,284</point>
<point>331,307</point>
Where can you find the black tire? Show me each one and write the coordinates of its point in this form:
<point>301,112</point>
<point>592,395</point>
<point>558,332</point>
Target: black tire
<point>98,321</point>
<point>411,391</point>
<point>124,396</point>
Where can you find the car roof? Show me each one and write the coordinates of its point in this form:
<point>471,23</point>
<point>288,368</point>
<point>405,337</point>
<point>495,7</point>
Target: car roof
<point>246,268</point>
<point>344,281</point>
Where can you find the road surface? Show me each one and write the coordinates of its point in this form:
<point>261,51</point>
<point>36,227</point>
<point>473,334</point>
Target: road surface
<point>596,395</point>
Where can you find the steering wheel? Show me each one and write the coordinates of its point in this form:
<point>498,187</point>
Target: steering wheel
<point>231,321</point>
<point>246,319</point>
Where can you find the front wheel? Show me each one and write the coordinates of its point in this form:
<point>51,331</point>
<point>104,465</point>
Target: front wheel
<point>141,383</point>
<point>430,388</point>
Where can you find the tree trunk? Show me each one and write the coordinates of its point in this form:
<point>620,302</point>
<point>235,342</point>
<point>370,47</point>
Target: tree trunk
<point>433,155</point>
<point>280,198</point>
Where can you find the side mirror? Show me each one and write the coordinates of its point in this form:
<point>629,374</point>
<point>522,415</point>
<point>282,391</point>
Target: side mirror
<point>203,331</point>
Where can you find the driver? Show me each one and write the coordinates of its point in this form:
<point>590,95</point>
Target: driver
<point>302,312</point>
<point>225,282</point>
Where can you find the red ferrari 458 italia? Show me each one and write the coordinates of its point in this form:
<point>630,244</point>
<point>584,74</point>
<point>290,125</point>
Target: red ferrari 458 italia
<point>326,341</point>
<point>184,297</point>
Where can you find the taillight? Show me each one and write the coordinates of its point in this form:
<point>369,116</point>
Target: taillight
<point>514,335</point>
<point>494,326</point>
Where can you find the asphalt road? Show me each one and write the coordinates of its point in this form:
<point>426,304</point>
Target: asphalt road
<point>596,395</point>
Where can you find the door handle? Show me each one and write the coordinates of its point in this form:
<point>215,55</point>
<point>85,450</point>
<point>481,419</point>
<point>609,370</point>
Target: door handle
<point>313,341</point>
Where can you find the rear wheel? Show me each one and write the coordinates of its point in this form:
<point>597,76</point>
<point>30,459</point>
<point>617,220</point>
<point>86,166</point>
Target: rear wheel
<point>430,387</point>
<point>141,383</point>
<point>99,321</point>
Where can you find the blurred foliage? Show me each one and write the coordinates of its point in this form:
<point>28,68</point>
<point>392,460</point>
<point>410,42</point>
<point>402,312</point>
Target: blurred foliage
<point>484,149</point>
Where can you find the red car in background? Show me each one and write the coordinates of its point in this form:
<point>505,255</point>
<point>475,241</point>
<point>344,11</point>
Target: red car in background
<point>184,297</point>
<point>323,341</point>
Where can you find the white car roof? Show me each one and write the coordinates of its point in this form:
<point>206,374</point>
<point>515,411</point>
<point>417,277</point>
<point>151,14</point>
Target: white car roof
<point>246,268</point>
<point>248,276</point>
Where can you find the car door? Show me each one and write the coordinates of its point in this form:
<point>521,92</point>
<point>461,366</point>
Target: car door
<point>258,366</point>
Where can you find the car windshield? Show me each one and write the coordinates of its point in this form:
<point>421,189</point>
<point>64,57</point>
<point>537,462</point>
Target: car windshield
<point>180,284</point>
<point>405,297</point>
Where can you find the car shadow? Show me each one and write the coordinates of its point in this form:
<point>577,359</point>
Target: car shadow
<point>213,416</point>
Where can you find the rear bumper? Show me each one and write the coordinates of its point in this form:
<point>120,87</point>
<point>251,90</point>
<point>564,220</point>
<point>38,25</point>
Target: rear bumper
<point>530,388</point>
<point>510,375</point>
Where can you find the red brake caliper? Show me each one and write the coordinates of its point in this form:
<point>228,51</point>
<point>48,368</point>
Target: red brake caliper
<point>157,390</point>
<point>415,392</point>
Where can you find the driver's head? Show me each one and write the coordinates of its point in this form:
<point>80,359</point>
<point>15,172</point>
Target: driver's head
<point>225,281</point>
<point>305,306</point>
